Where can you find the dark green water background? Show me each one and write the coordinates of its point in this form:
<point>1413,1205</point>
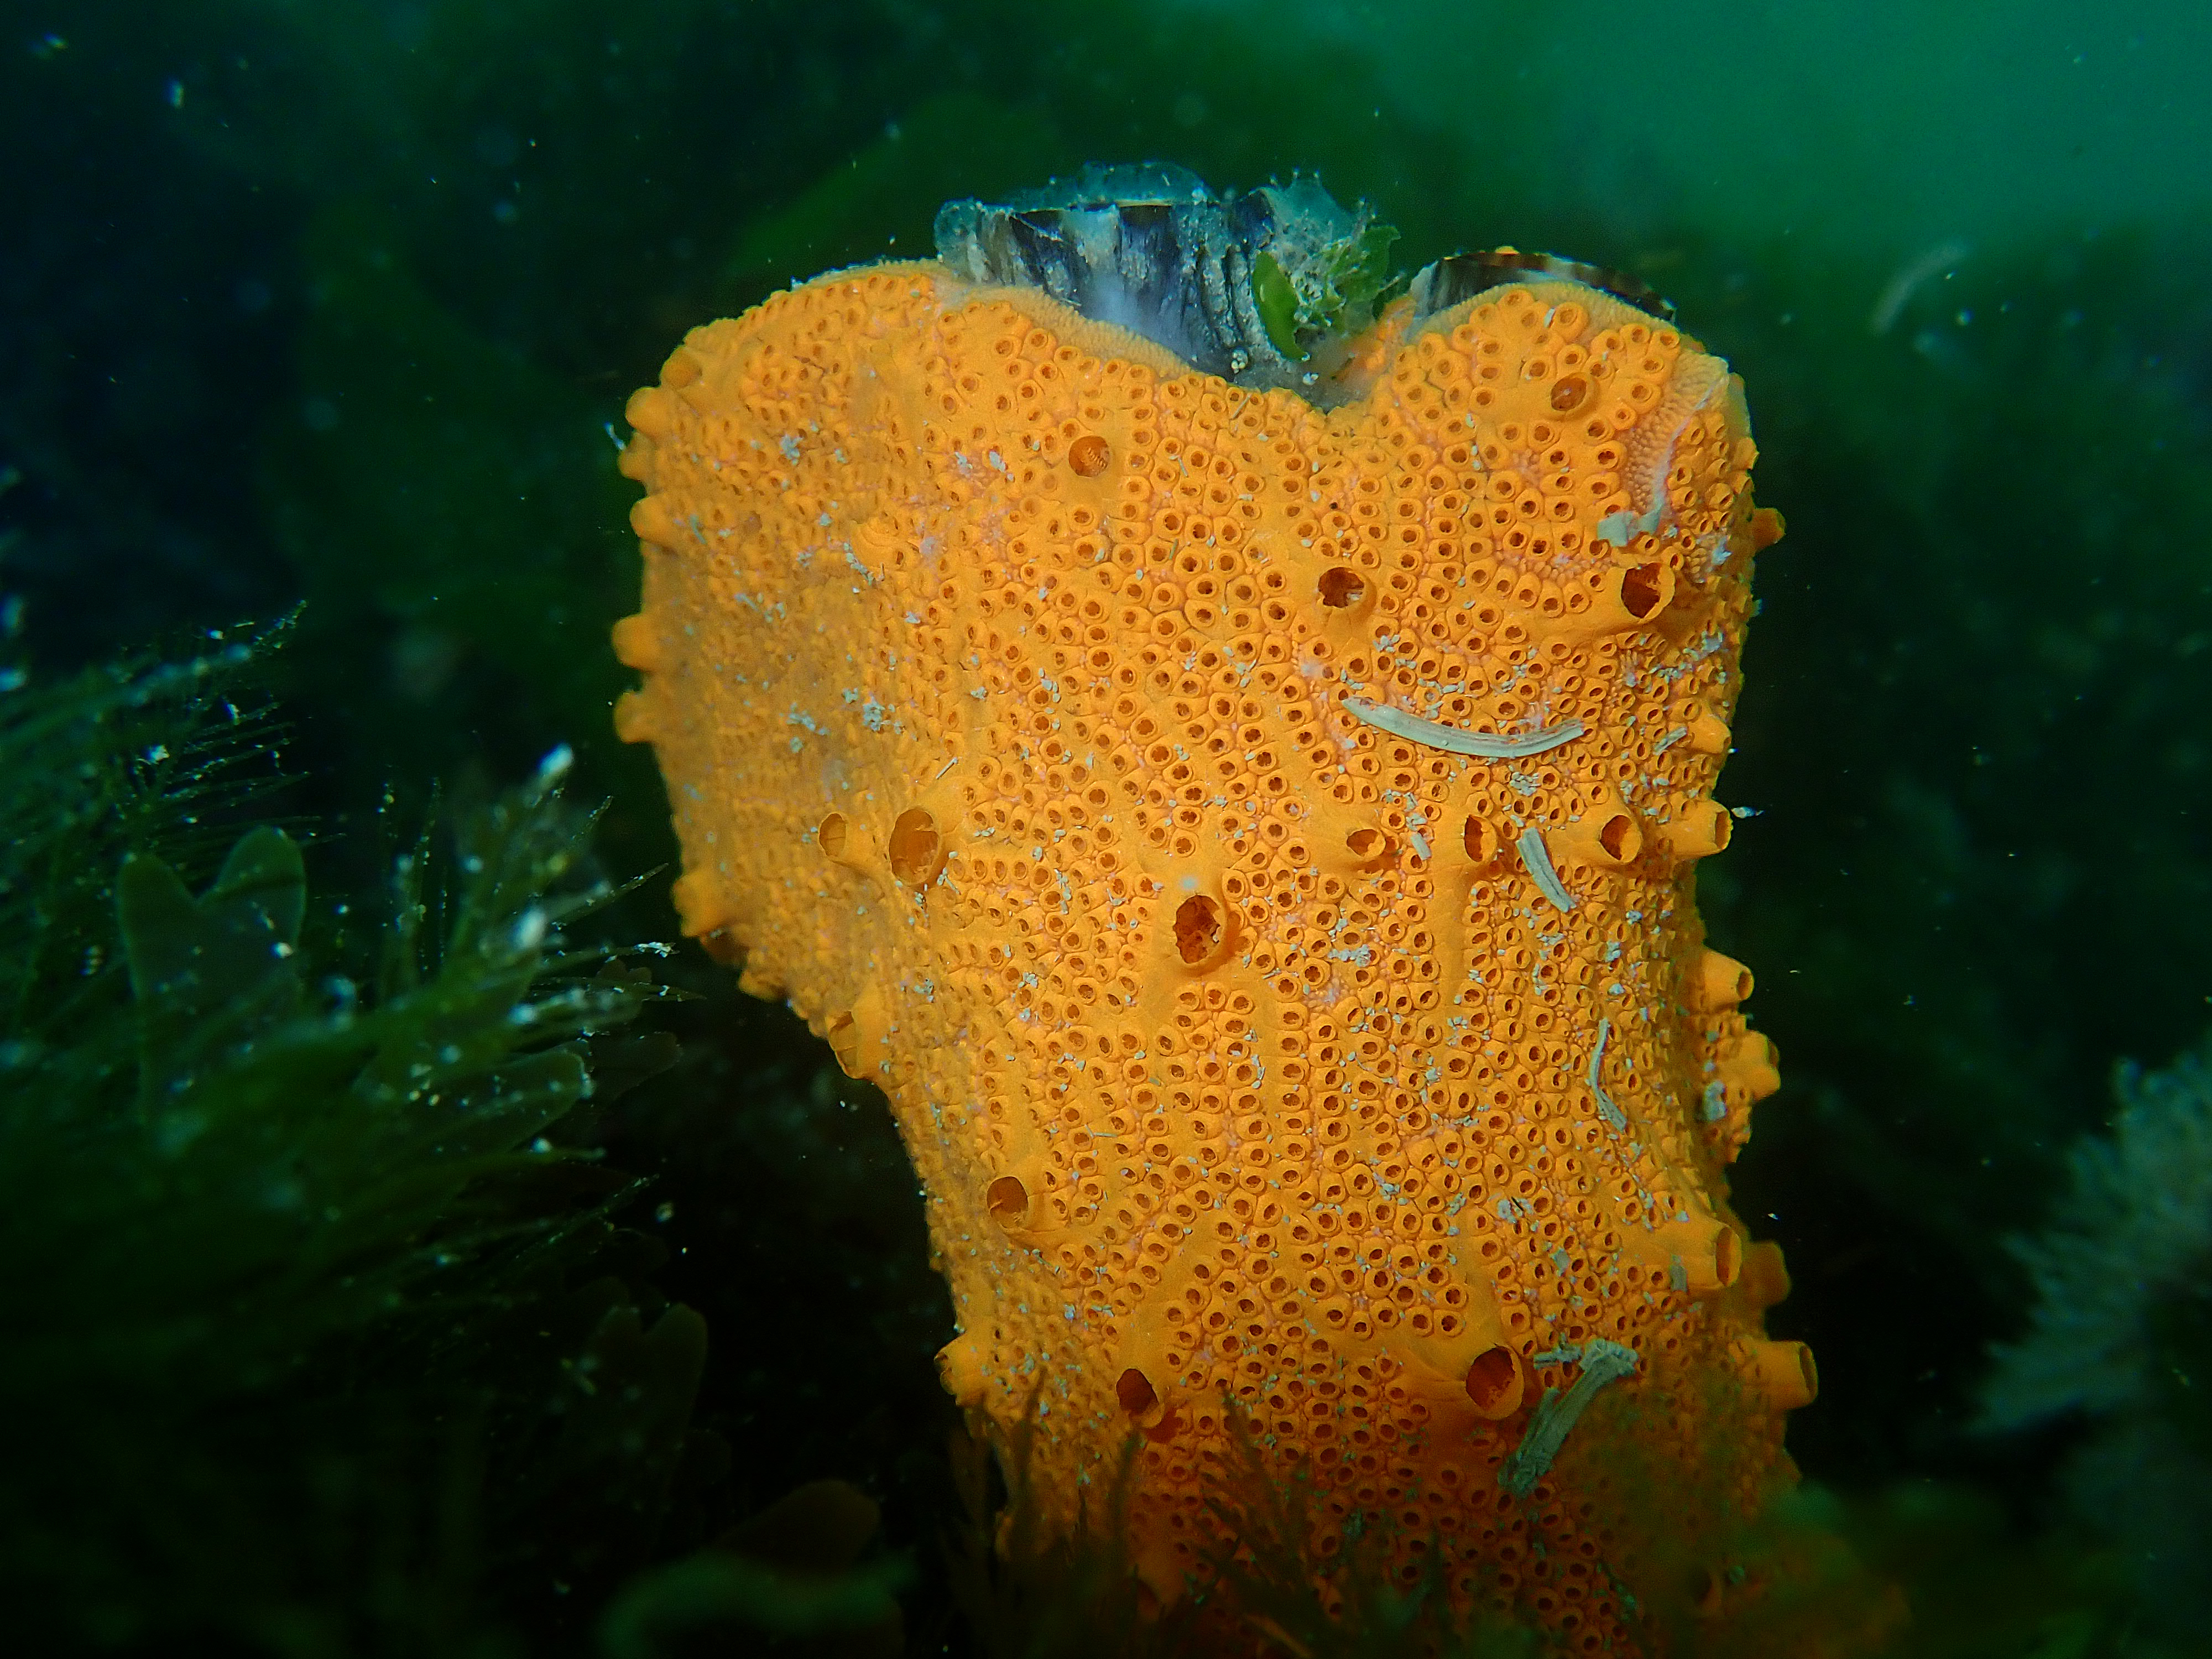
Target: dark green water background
<point>333,301</point>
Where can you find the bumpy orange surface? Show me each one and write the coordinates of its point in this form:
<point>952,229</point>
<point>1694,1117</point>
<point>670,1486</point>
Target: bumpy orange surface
<point>1034,712</point>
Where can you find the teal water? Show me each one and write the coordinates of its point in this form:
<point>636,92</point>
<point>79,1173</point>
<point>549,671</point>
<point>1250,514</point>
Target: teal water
<point>330,305</point>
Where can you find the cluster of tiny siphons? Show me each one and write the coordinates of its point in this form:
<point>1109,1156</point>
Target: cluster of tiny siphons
<point>1277,1057</point>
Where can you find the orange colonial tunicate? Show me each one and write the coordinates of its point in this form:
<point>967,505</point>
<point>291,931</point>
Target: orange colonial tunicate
<point>1095,753</point>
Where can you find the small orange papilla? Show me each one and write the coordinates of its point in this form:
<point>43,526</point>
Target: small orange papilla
<point>1252,848</point>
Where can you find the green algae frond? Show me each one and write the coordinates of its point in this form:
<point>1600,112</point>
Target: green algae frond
<point>298,1242</point>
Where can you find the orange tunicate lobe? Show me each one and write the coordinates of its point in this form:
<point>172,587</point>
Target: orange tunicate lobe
<point>999,667</point>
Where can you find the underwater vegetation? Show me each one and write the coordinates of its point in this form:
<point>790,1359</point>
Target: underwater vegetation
<point>2118,1335</point>
<point>337,303</point>
<point>326,1315</point>
<point>282,1178</point>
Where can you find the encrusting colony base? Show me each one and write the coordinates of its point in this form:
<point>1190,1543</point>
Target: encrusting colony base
<point>1251,845</point>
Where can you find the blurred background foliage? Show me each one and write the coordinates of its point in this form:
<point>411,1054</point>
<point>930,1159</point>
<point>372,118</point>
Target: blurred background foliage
<point>339,303</point>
